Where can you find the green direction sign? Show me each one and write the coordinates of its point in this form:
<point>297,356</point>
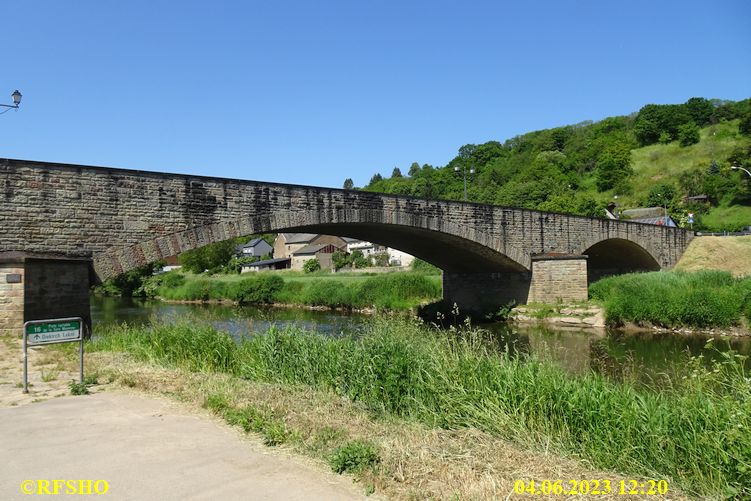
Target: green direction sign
<point>53,331</point>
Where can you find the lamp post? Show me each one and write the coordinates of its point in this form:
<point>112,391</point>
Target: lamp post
<point>741,168</point>
<point>464,174</point>
<point>16,96</point>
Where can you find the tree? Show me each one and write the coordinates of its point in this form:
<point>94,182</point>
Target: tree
<point>613,166</point>
<point>396,172</point>
<point>700,110</point>
<point>660,195</point>
<point>211,257</point>
<point>414,169</point>
<point>358,260</point>
<point>340,259</point>
<point>381,259</point>
<point>311,265</point>
<point>745,126</point>
<point>646,132</point>
<point>349,184</point>
<point>688,134</point>
<point>376,177</point>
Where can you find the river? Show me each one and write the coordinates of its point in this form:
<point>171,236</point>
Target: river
<point>645,357</point>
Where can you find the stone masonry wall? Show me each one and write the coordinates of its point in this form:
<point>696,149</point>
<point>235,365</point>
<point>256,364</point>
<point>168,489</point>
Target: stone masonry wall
<point>558,279</point>
<point>126,218</point>
<point>11,299</point>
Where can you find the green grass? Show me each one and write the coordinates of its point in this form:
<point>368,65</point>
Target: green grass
<point>733,218</point>
<point>394,291</point>
<point>696,432</point>
<point>665,162</point>
<point>673,299</point>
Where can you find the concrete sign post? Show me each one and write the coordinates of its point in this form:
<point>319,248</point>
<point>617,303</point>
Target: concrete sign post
<point>56,330</point>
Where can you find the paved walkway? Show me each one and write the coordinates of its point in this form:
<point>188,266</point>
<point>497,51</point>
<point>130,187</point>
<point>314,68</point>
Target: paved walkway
<point>149,449</point>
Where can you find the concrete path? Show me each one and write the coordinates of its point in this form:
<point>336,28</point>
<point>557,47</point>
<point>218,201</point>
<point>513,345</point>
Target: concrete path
<point>149,449</point>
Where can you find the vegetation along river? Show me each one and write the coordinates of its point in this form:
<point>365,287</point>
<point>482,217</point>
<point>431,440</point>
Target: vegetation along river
<point>644,357</point>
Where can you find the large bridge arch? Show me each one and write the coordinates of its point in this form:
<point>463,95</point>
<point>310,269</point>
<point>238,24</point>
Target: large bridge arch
<point>451,247</point>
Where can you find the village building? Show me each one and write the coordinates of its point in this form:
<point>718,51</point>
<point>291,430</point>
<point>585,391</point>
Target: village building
<point>257,247</point>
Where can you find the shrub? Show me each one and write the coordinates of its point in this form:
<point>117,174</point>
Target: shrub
<point>255,290</point>
<point>354,457</point>
<point>312,265</point>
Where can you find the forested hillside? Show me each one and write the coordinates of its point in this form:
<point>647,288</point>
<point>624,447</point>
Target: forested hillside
<point>656,157</point>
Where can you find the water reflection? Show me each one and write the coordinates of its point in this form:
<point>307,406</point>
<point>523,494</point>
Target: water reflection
<point>650,358</point>
<point>238,321</point>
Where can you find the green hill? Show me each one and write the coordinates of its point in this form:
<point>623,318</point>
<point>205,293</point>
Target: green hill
<point>658,156</point>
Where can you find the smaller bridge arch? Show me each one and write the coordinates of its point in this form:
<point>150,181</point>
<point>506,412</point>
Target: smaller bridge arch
<point>615,256</point>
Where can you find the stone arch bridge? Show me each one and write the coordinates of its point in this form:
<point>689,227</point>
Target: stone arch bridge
<point>65,226</point>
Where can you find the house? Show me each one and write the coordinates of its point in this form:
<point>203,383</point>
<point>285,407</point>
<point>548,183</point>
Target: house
<point>286,244</point>
<point>367,248</point>
<point>257,247</point>
<point>649,215</point>
<point>322,252</point>
<point>396,257</point>
<point>399,258</point>
<point>281,263</point>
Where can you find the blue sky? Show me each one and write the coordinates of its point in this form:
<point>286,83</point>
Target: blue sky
<point>315,92</point>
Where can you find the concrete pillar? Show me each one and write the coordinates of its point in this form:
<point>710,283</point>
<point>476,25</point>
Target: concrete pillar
<point>37,287</point>
<point>558,278</point>
<point>482,293</point>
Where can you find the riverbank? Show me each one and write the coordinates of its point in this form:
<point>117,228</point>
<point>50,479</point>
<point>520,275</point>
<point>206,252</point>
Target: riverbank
<point>676,300</point>
<point>359,292</point>
<point>400,370</point>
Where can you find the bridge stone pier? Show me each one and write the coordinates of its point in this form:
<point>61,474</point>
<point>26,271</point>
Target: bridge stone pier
<point>67,226</point>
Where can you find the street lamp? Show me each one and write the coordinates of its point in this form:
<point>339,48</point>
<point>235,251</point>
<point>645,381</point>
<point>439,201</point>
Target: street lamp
<point>464,174</point>
<point>16,96</point>
<point>741,168</point>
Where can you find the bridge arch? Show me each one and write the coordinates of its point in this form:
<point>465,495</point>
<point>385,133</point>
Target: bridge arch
<point>446,244</point>
<point>615,256</point>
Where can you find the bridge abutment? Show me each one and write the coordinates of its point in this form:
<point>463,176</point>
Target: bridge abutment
<point>482,293</point>
<point>36,287</point>
<point>558,278</point>
<point>554,278</point>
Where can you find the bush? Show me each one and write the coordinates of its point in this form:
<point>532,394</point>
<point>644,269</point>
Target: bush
<point>354,457</point>
<point>688,134</point>
<point>255,290</point>
<point>311,265</point>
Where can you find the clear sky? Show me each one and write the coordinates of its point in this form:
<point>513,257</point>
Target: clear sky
<point>313,92</point>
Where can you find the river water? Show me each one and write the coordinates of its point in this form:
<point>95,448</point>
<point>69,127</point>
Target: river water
<point>649,358</point>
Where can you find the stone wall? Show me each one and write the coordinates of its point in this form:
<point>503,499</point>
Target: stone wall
<point>480,293</point>
<point>558,278</point>
<point>11,297</point>
<point>126,218</point>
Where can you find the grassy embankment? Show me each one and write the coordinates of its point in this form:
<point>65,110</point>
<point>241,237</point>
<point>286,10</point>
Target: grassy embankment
<point>696,433</point>
<point>394,291</point>
<point>731,254</point>
<point>675,299</point>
